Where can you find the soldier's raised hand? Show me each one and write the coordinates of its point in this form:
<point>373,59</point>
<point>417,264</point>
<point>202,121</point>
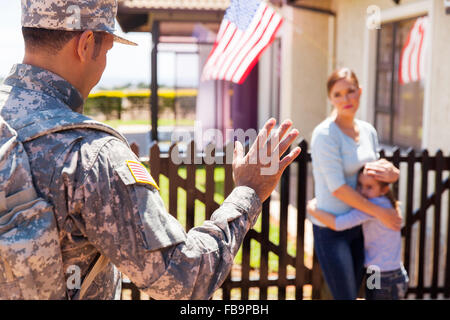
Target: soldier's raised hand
<point>261,168</point>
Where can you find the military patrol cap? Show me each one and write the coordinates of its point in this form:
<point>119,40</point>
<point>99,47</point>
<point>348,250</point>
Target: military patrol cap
<point>72,15</point>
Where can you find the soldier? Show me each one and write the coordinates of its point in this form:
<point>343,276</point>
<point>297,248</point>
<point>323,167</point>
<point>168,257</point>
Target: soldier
<point>104,205</point>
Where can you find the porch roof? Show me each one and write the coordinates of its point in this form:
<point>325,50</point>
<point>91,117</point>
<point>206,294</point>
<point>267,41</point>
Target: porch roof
<point>177,17</point>
<point>214,5</point>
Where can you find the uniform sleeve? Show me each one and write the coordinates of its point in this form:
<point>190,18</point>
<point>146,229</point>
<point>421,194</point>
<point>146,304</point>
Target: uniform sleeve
<point>327,160</point>
<point>351,219</point>
<point>128,223</point>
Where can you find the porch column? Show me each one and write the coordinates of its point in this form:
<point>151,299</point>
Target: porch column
<point>154,83</point>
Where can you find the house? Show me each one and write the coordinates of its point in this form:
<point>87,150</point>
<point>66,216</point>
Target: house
<point>318,36</point>
<point>322,35</point>
<point>192,22</point>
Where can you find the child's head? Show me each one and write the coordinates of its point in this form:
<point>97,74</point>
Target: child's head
<point>369,187</point>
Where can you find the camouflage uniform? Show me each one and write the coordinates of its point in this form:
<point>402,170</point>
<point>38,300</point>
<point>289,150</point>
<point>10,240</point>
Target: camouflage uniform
<point>101,209</point>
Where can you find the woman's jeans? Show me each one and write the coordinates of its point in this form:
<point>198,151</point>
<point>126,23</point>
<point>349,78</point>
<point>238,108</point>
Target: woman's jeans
<point>392,286</point>
<point>341,257</point>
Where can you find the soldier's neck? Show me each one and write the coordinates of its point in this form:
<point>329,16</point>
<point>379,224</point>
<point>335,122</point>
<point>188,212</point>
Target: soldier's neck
<point>57,65</point>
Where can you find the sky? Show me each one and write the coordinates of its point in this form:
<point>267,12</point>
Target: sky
<point>126,64</point>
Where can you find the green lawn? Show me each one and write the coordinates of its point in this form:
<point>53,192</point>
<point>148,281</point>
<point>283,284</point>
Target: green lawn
<point>219,177</point>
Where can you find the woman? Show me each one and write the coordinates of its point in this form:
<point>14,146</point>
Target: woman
<point>341,145</point>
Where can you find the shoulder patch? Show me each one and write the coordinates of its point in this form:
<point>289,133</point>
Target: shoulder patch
<point>140,173</point>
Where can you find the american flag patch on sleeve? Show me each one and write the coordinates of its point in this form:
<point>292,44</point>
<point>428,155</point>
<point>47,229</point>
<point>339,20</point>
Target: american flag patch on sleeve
<point>140,173</point>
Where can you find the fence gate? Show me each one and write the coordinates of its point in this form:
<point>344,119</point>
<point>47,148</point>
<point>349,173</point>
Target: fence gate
<point>412,190</point>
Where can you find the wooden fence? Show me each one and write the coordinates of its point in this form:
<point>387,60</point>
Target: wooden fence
<point>425,253</point>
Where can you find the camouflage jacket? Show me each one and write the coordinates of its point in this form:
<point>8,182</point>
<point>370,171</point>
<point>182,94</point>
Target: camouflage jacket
<point>101,208</point>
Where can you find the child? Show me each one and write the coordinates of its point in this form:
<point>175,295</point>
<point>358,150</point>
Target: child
<point>382,245</point>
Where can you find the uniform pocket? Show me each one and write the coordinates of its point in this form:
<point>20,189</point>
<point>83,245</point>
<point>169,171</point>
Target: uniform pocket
<point>31,253</point>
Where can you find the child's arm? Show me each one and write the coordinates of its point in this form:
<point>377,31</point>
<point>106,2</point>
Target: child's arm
<point>345,221</point>
<point>324,217</point>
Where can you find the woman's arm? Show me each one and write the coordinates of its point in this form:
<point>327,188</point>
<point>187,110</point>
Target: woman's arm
<point>344,221</point>
<point>326,156</point>
<point>391,218</point>
<point>324,217</point>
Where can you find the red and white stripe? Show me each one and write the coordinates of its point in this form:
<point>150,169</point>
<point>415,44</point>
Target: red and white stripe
<point>236,52</point>
<point>414,53</point>
<point>140,173</point>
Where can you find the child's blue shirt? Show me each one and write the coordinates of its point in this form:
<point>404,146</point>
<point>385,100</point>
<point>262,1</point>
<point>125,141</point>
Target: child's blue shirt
<point>382,245</point>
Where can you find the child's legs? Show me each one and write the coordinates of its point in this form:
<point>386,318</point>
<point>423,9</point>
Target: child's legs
<point>339,256</point>
<point>357,247</point>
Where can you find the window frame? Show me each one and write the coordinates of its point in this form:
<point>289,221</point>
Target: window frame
<point>397,13</point>
<point>389,110</point>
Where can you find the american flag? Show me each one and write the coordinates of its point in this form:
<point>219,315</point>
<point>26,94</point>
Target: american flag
<point>413,59</point>
<point>140,173</point>
<point>247,29</point>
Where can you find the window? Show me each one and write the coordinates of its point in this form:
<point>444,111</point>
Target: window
<point>398,107</point>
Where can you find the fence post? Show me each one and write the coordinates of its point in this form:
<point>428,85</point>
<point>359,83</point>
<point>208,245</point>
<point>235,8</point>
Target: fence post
<point>173,182</point>
<point>409,208</point>
<point>229,184</point>
<point>439,161</point>
<point>210,182</point>
<point>396,163</point>
<point>190,186</point>
<point>264,264</point>
<point>447,260</point>
<point>155,162</point>
<point>302,180</point>
<point>423,222</point>
<point>245,267</point>
<point>282,256</point>
<point>228,161</point>
<point>135,148</point>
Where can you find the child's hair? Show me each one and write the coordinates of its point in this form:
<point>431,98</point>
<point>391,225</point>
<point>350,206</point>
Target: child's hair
<point>390,194</point>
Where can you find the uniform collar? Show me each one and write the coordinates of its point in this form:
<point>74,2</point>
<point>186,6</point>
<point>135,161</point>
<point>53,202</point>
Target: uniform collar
<point>37,79</point>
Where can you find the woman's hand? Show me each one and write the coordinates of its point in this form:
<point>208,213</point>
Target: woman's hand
<point>382,170</point>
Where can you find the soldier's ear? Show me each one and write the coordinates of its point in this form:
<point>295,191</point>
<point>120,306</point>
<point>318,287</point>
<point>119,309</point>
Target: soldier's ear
<point>85,46</point>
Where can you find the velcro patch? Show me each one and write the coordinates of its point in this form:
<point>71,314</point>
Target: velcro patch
<point>140,173</point>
